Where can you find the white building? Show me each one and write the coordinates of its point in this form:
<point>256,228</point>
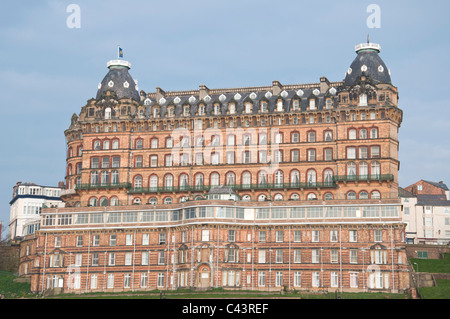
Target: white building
<point>427,216</point>
<point>27,201</point>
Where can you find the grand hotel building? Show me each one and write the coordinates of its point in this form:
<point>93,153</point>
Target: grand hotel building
<point>266,188</point>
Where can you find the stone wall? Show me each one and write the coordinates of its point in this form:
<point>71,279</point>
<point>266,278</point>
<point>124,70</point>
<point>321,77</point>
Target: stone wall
<point>434,251</point>
<point>9,258</point>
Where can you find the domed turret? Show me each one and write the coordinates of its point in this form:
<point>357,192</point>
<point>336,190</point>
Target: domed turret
<point>119,80</point>
<point>368,63</point>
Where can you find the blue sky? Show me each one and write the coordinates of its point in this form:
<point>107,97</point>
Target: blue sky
<point>49,70</point>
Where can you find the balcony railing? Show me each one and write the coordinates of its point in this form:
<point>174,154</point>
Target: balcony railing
<point>351,178</point>
<point>169,189</point>
<point>103,186</point>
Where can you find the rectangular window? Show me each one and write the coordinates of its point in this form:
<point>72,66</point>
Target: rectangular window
<point>162,238</point>
<point>297,256</point>
<point>375,151</point>
<point>261,256</point>
<point>279,256</point>
<point>145,239</point>
<point>353,256</point>
<point>334,279</point>
<point>112,240</point>
<point>351,153</point>
<point>79,241</point>
<point>110,282</point>
<point>154,161</point>
<point>262,236</point>
<point>311,155</point>
<point>231,235</point>
<point>378,234</point>
<point>205,235</point>
<point>315,258</point>
<point>112,259</point>
<point>297,279</point>
<point>333,235</point>
<point>353,236</point>
<point>315,236</point>
<point>279,236</point>
<point>261,278</point>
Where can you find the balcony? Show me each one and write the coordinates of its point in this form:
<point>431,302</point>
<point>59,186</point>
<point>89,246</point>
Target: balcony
<point>189,188</point>
<point>102,186</point>
<point>354,178</point>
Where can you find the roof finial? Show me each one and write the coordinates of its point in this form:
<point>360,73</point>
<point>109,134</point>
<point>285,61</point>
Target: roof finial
<point>368,40</point>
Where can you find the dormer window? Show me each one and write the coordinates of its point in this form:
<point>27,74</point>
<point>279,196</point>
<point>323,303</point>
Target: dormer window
<point>263,107</point>
<point>186,111</point>
<point>279,106</point>
<point>296,105</point>
<point>155,112</point>
<point>108,113</point>
<point>201,110</point>
<point>248,108</point>
<point>170,112</point>
<point>328,104</point>
<point>312,104</point>
<point>232,108</point>
<point>216,109</point>
<point>363,100</point>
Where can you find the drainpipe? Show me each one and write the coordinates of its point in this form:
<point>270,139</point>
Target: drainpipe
<point>43,271</point>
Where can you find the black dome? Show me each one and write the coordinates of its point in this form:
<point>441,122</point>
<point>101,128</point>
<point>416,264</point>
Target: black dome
<point>368,63</point>
<point>119,80</point>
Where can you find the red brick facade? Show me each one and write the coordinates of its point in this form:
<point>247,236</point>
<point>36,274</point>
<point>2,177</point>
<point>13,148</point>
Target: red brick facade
<point>314,168</point>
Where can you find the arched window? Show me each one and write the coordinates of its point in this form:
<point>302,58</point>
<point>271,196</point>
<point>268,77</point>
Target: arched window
<point>153,201</point>
<point>328,196</point>
<point>328,176</point>
<point>105,177</point>
<point>295,197</point>
<point>115,144</point>
<point>351,170</point>
<point>107,113</point>
<point>103,201</point>
<point>375,195</point>
<point>246,178</point>
<point>363,100</point>
<point>311,177</point>
<point>199,180</point>
<point>184,181</point>
<point>278,197</point>
<point>328,136</point>
<point>114,201</point>
<point>231,178</point>
<point>262,198</point>
<point>106,144</point>
<point>374,133</point>
<point>246,197</point>
<point>93,201</point>
<point>97,145</point>
<point>168,200</point>
<point>115,177</point>
<point>138,181</point>
<point>363,134</point>
<point>363,195</point>
<point>295,137</point>
<point>139,143</point>
<point>214,179</point>
<point>262,178</point>
<point>153,182</point>
<point>295,177</point>
<point>363,170</point>
<point>352,134</point>
<point>154,143</point>
<point>351,195</point>
<point>311,136</point>
<point>168,181</point>
<point>137,201</point>
<point>375,170</point>
<point>311,196</point>
<point>94,178</point>
<point>279,178</point>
